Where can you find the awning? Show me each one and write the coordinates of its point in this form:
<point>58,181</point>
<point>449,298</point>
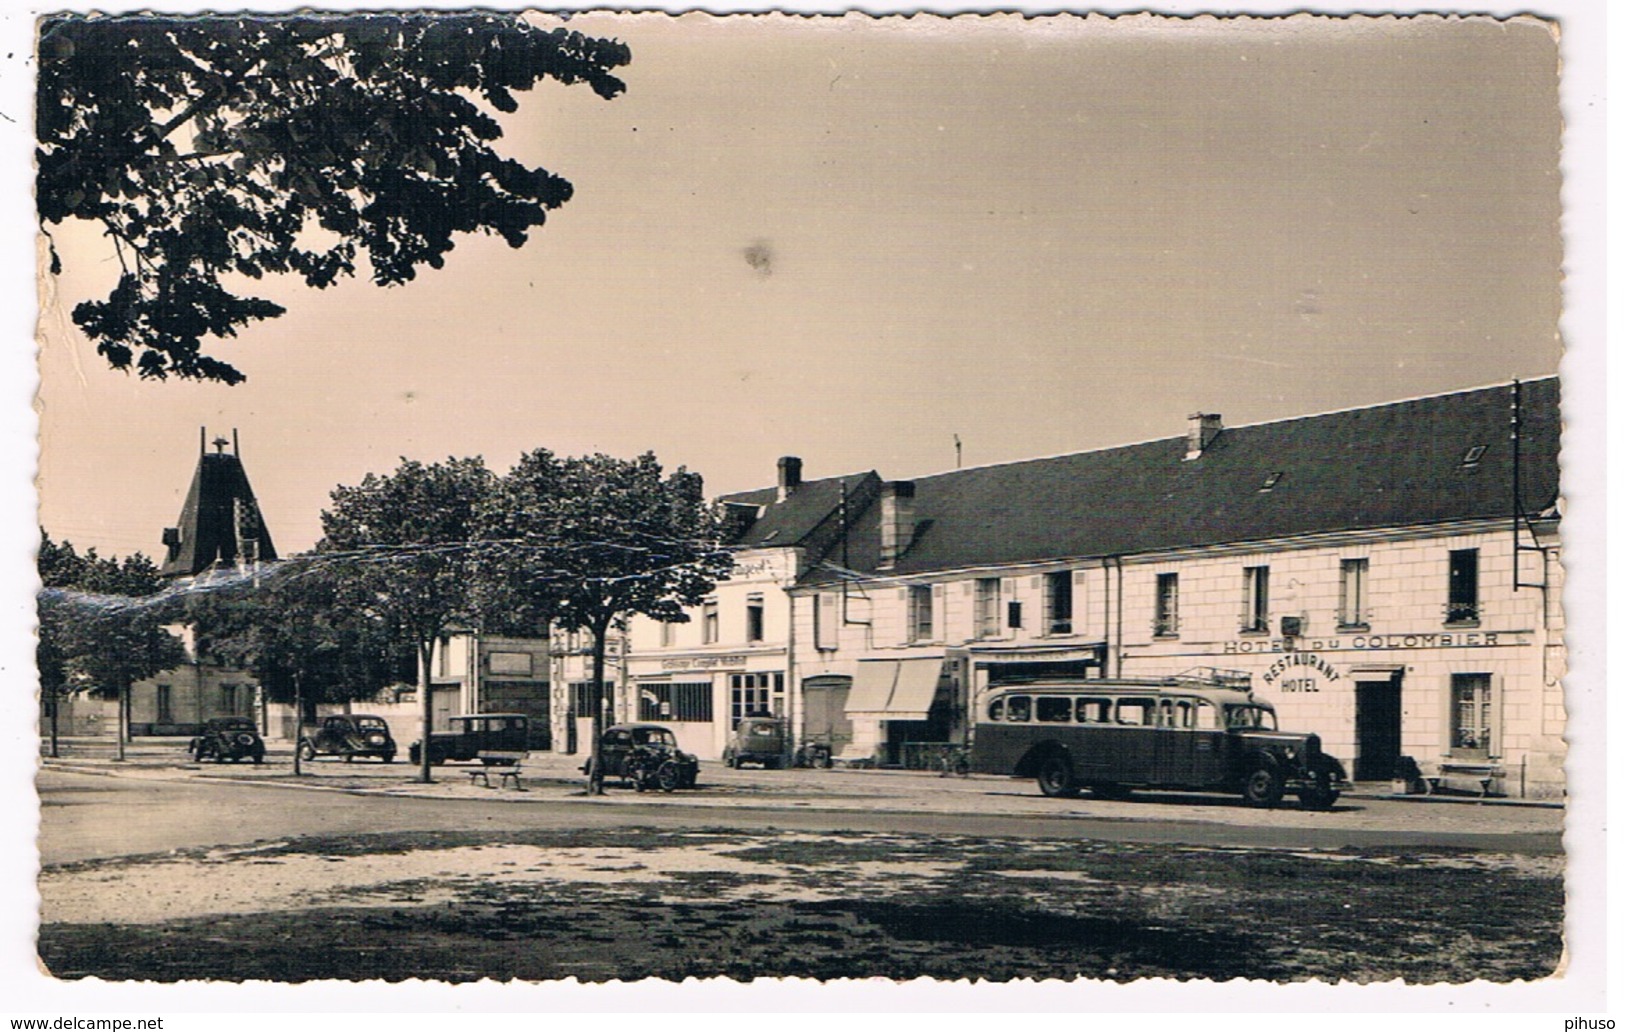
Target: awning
<point>871,688</point>
<point>916,687</point>
<point>894,689</point>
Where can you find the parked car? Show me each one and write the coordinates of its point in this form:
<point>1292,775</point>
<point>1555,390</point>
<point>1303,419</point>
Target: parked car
<point>477,733</point>
<point>756,740</point>
<point>349,735</point>
<point>646,756</point>
<point>228,738</point>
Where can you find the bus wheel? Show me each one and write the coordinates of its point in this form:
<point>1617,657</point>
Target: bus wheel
<point>1055,777</point>
<point>1262,788</point>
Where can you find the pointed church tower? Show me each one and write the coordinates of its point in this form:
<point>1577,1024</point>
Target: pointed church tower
<point>220,523</point>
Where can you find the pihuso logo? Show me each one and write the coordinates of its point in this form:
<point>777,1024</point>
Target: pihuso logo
<point>1575,1024</point>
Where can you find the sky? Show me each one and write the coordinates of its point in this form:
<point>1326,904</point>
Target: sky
<point>855,240</point>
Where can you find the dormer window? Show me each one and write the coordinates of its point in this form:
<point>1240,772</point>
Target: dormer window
<point>1472,455</point>
<point>1270,482</point>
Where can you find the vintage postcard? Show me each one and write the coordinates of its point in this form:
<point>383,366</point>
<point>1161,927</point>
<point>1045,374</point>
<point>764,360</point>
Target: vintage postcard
<point>1081,498</point>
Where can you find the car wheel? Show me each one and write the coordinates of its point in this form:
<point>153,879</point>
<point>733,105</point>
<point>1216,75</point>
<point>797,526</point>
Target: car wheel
<point>307,751</point>
<point>1321,797</point>
<point>1055,777</point>
<point>437,757</point>
<point>349,757</point>
<point>1262,788</point>
<point>825,761</point>
<point>668,777</point>
<point>259,755</point>
<point>730,761</point>
<point>388,757</point>
<point>414,754</point>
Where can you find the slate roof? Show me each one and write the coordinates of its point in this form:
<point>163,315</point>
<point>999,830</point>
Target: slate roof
<point>1391,465</point>
<point>809,514</point>
<point>207,532</point>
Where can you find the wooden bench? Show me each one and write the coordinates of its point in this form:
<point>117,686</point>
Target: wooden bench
<point>1485,774</point>
<point>509,764</point>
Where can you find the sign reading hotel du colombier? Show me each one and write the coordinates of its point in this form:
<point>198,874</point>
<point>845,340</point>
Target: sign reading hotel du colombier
<point>1379,642</point>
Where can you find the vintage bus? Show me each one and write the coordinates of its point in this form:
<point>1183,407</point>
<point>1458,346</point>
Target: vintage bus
<point>1112,736</point>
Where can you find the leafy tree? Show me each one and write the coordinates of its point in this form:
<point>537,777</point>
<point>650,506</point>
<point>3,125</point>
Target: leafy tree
<point>402,546</point>
<point>214,148</point>
<point>100,626</point>
<point>596,539</point>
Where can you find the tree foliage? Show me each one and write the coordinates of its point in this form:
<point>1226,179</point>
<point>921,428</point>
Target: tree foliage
<point>215,148</point>
<point>594,540</point>
<point>402,545</point>
<point>293,625</point>
<point>100,621</point>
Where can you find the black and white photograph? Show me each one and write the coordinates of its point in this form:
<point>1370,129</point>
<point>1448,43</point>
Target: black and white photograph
<point>1078,500</point>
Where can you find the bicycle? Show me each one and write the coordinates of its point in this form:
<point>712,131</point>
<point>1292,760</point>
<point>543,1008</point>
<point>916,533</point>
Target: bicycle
<point>954,761</point>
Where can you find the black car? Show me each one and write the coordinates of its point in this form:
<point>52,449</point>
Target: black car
<point>646,756</point>
<point>475,733</point>
<point>228,738</point>
<point>349,735</point>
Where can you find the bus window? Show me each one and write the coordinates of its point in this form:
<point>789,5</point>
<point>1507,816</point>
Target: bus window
<point>1165,713</point>
<point>1054,709</point>
<point>1135,711</point>
<point>995,710</point>
<point>1207,717</point>
<point>1094,711</point>
<point>1184,714</point>
<point>1020,710</point>
<point>1250,717</point>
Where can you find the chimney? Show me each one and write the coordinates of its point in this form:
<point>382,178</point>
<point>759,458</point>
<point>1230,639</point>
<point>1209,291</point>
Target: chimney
<point>1204,427</point>
<point>896,521</point>
<point>789,476</point>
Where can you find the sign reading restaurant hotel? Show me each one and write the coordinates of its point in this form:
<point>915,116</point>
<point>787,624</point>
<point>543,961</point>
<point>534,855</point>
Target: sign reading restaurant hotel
<point>1368,642</point>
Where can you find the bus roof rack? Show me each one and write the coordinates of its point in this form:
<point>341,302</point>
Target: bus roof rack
<point>1217,677</point>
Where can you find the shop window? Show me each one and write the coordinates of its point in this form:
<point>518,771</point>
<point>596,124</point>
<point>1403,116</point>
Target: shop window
<point>755,695</point>
<point>755,618</point>
<point>1058,602</point>
<point>987,607</point>
<point>1462,607</point>
<point>710,622</point>
<point>1165,624</point>
<point>921,614</point>
<point>1351,605</point>
<point>1472,716</point>
<point>1255,611</point>
<point>678,702</point>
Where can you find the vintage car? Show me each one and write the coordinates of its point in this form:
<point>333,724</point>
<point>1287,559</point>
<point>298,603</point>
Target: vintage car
<point>228,738</point>
<point>349,735</point>
<point>756,740</point>
<point>1112,736</point>
<point>503,737</point>
<point>646,756</point>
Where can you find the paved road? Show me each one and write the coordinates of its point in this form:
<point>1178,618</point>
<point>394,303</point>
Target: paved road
<point>90,815</point>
